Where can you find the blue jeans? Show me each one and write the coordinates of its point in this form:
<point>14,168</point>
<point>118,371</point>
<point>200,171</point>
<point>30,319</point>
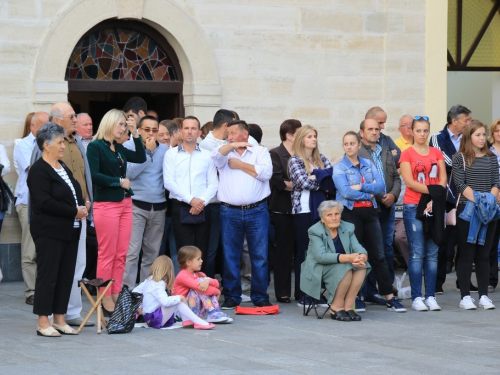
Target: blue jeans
<point>236,224</point>
<point>423,254</point>
<point>213,240</point>
<point>387,218</point>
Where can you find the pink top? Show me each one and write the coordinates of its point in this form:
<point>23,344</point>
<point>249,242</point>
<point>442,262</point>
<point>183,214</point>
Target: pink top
<point>185,281</point>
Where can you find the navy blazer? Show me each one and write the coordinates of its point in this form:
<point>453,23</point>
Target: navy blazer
<point>53,207</point>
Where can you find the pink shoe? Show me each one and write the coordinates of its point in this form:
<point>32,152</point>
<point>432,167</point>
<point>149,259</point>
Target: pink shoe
<point>187,324</point>
<point>209,326</point>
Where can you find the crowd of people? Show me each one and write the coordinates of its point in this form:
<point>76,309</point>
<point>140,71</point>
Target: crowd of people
<point>165,206</point>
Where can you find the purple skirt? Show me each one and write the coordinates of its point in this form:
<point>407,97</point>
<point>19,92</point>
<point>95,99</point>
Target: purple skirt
<point>155,318</point>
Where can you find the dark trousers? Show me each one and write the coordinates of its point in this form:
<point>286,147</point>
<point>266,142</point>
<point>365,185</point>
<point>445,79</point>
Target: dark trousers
<point>494,258</point>
<point>55,262</point>
<point>444,254</point>
<point>91,246</point>
<point>284,239</point>
<point>369,234</point>
<point>301,223</point>
<point>473,253</point>
<point>190,234</point>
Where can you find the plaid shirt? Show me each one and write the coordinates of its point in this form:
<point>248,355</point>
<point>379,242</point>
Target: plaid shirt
<point>301,181</point>
<point>377,158</point>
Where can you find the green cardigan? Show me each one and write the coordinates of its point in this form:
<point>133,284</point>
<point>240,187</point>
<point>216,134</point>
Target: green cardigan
<point>321,259</point>
<point>105,168</point>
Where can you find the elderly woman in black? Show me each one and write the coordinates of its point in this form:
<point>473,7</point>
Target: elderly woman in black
<point>57,207</point>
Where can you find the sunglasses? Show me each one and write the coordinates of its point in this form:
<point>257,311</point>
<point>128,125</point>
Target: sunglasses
<point>425,118</point>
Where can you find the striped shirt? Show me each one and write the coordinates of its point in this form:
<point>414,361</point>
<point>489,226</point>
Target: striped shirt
<point>481,176</point>
<point>62,173</point>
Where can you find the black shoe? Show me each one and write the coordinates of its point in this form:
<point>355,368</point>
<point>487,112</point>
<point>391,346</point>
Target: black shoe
<point>30,300</point>
<point>284,299</point>
<point>354,317</point>
<point>376,300</point>
<point>449,267</point>
<point>340,315</point>
<point>228,304</point>
<point>106,313</point>
<point>263,303</point>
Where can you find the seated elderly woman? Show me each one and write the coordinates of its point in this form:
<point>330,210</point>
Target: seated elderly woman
<point>336,258</point>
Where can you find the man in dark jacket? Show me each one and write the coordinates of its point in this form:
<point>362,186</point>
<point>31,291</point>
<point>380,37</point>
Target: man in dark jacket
<point>448,141</point>
<point>383,159</point>
<point>379,115</point>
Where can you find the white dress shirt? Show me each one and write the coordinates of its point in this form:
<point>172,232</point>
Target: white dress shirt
<point>239,188</point>
<point>187,176</point>
<point>4,160</point>
<point>22,157</point>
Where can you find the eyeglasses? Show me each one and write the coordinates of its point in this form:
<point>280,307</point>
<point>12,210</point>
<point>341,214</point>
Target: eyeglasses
<point>404,125</point>
<point>425,118</point>
<point>149,130</point>
<point>71,117</point>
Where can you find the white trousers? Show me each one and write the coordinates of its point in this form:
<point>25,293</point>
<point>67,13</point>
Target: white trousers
<point>75,298</point>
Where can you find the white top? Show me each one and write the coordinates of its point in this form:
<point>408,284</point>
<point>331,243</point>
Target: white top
<point>62,173</point>
<point>210,143</point>
<point>154,295</point>
<point>4,160</point>
<point>22,157</point>
<point>187,176</point>
<point>239,188</point>
<point>16,167</point>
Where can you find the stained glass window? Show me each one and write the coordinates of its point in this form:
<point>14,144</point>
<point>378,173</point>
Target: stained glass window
<point>119,54</point>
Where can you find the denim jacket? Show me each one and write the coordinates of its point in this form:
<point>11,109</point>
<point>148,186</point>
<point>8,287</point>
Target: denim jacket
<point>479,214</point>
<point>346,174</point>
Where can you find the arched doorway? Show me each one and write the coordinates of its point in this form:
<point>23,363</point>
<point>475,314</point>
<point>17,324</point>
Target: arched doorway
<point>118,59</point>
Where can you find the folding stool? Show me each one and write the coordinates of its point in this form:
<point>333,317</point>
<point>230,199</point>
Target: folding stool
<point>96,305</point>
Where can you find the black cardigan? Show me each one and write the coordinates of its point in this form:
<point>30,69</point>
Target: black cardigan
<point>53,208</point>
<point>280,199</point>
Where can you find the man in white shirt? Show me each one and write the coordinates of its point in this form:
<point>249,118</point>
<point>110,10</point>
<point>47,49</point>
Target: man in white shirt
<point>22,157</point>
<point>191,178</point>
<point>244,172</point>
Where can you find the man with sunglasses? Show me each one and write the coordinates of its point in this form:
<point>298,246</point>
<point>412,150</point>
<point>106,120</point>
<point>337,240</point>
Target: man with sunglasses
<point>448,142</point>
<point>148,203</point>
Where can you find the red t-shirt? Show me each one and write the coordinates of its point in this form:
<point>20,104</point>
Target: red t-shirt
<point>425,170</point>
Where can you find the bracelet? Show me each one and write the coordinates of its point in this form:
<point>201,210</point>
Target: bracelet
<point>88,202</point>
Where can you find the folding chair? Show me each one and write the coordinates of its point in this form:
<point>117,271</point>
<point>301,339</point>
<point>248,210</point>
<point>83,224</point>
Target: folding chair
<point>312,304</point>
<point>96,305</point>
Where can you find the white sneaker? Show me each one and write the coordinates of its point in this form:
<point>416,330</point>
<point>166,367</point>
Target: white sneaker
<point>486,303</point>
<point>245,287</point>
<point>467,303</point>
<point>245,298</point>
<point>431,303</point>
<point>419,305</point>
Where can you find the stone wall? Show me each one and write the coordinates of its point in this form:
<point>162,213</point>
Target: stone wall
<point>324,62</point>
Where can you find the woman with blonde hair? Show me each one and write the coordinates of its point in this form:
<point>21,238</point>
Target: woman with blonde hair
<point>476,176</point>
<point>112,196</point>
<point>305,160</point>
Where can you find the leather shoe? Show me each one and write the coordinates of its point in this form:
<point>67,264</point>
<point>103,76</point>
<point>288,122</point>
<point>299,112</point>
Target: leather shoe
<point>340,315</point>
<point>354,317</point>
<point>30,300</point>
<point>284,299</point>
<point>263,303</point>
<point>77,322</point>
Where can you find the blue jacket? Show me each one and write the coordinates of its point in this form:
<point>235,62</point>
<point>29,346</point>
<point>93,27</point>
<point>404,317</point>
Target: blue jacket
<point>479,214</point>
<point>346,174</point>
<point>441,140</point>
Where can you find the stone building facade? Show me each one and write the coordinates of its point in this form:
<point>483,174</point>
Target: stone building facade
<point>324,62</point>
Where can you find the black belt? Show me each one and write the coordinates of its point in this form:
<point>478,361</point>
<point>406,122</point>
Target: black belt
<point>244,207</point>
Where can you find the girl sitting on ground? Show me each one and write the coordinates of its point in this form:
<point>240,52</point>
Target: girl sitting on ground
<point>159,308</point>
<point>201,291</point>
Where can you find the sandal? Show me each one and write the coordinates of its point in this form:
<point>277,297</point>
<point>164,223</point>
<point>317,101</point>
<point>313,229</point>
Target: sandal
<point>340,315</point>
<point>65,330</point>
<point>354,317</point>
<point>47,332</point>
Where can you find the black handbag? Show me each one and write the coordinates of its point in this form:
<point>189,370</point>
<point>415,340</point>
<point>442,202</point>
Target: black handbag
<point>122,319</point>
<point>187,218</point>
<point>6,196</point>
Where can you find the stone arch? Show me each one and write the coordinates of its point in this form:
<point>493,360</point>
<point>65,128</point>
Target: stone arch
<point>202,88</point>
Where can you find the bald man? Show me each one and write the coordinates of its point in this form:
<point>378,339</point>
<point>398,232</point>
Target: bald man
<point>22,157</point>
<point>62,114</point>
<point>380,116</point>
<point>406,139</point>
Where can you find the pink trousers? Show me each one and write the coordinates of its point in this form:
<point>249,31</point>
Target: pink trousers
<point>113,225</point>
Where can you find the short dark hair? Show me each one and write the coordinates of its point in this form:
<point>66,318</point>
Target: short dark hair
<point>191,118</point>
<point>456,111</point>
<point>289,126</point>
<point>152,118</point>
<point>221,117</point>
<point>242,125</point>
<point>255,131</point>
<point>135,104</point>
<point>362,125</point>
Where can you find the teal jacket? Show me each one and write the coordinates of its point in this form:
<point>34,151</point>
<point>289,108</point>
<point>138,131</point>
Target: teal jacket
<point>321,257</point>
<point>105,167</point>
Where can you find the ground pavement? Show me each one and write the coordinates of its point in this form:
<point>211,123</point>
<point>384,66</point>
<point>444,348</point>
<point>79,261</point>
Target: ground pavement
<point>451,341</point>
